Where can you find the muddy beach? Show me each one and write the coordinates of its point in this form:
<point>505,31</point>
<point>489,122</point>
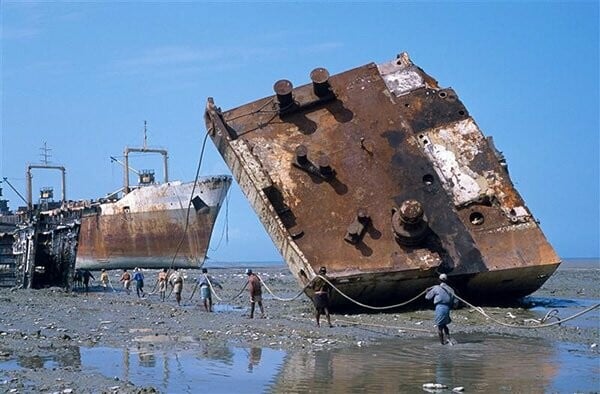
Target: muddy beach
<point>53,341</point>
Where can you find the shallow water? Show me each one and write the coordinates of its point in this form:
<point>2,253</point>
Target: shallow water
<point>478,362</point>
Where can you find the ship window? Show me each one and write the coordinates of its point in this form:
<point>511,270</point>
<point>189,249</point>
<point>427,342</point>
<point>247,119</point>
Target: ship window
<point>199,204</point>
<point>428,179</point>
<point>476,218</point>
<point>442,94</point>
<point>461,112</point>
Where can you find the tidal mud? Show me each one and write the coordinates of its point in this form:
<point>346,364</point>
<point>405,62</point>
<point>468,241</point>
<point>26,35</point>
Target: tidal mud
<point>54,341</point>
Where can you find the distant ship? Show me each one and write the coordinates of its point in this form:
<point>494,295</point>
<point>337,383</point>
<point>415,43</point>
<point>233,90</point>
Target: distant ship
<point>147,225</point>
<point>382,176</point>
<point>151,226</point>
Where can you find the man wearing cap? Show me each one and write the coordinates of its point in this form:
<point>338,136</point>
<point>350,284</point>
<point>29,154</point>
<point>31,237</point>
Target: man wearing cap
<point>255,289</point>
<point>321,296</point>
<point>205,294</point>
<point>443,299</point>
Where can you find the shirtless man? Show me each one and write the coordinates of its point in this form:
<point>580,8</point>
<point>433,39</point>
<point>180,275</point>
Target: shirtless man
<point>126,279</point>
<point>176,281</point>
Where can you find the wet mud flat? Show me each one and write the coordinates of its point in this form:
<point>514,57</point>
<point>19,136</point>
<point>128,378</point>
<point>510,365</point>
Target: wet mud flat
<point>106,341</point>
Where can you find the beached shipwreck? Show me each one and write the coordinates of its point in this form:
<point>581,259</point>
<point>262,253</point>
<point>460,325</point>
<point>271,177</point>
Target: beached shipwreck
<point>150,224</point>
<point>383,177</point>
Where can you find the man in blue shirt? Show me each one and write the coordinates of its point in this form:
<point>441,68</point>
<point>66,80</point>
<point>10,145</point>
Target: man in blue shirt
<point>139,282</point>
<point>443,299</point>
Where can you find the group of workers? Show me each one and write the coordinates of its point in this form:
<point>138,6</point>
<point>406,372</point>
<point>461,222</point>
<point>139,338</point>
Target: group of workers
<point>442,294</point>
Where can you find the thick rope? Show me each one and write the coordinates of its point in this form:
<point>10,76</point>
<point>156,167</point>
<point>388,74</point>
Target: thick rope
<point>551,314</point>
<point>187,216</point>
<point>213,289</point>
<point>230,299</point>
<point>541,325</point>
<point>286,299</point>
<point>370,306</point>
<point>193,291</point>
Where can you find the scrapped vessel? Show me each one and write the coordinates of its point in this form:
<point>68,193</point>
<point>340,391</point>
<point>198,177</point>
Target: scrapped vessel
<point>383,177</point>
<point>151,225</point>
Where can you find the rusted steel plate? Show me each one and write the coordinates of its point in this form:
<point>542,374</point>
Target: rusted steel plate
<point>383,177</point>
<point>147,227</point>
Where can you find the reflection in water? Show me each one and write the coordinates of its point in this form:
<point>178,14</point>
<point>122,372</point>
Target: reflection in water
<point>478,363</point>
<point>216,368</point>
<point>67,356</point>
<point>254,357</point>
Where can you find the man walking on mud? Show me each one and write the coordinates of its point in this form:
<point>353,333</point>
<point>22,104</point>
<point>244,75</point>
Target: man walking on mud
<point>321,296</point>
<point>204,282</point>
<point>104,279</point>
<point>86,275</point>
<point>443,299</point>
<point>255,289</point>
<point>126,280</point>
<point>138,276</point>
<point>176,281</point>
<point>162,284</point>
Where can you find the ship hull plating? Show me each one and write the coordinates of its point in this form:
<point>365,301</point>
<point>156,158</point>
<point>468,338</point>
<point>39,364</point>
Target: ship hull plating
<point>384,178</point>
<point>148,226</point>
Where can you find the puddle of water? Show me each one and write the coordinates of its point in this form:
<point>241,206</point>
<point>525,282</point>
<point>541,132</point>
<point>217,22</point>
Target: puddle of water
<point>540,306</point>
<point>227,308</point>
<point>212,369</point>
<point>478,362</point>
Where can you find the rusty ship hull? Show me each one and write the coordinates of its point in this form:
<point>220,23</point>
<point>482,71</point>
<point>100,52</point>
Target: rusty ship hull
<point>382,176</point>
<point>149,227</point>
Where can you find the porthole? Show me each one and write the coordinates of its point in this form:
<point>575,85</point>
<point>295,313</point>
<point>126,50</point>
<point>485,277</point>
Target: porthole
<point>476,218</point>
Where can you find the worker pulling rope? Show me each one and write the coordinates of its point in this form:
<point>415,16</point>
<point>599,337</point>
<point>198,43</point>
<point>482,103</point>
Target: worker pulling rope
<point>541,323</point>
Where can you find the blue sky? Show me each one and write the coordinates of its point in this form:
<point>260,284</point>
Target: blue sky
<point>83,77</point>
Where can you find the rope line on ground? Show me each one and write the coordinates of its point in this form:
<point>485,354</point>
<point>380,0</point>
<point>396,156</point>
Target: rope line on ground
<point>541,325</point>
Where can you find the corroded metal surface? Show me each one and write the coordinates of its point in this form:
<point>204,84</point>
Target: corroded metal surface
<point>148,226</point>
<point>45,247</point>
<point>383,177</point>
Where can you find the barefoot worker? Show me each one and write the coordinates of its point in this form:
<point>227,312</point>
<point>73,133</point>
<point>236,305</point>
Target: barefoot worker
<point>322,290</point>
<point>255,289</point>
<point>176,281</point>
<point>138,276</point>
<point>443,299</point>
<point>104,280</point>
<point>126,279</point>
<point>162,284</point>
<point>204,282</point>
